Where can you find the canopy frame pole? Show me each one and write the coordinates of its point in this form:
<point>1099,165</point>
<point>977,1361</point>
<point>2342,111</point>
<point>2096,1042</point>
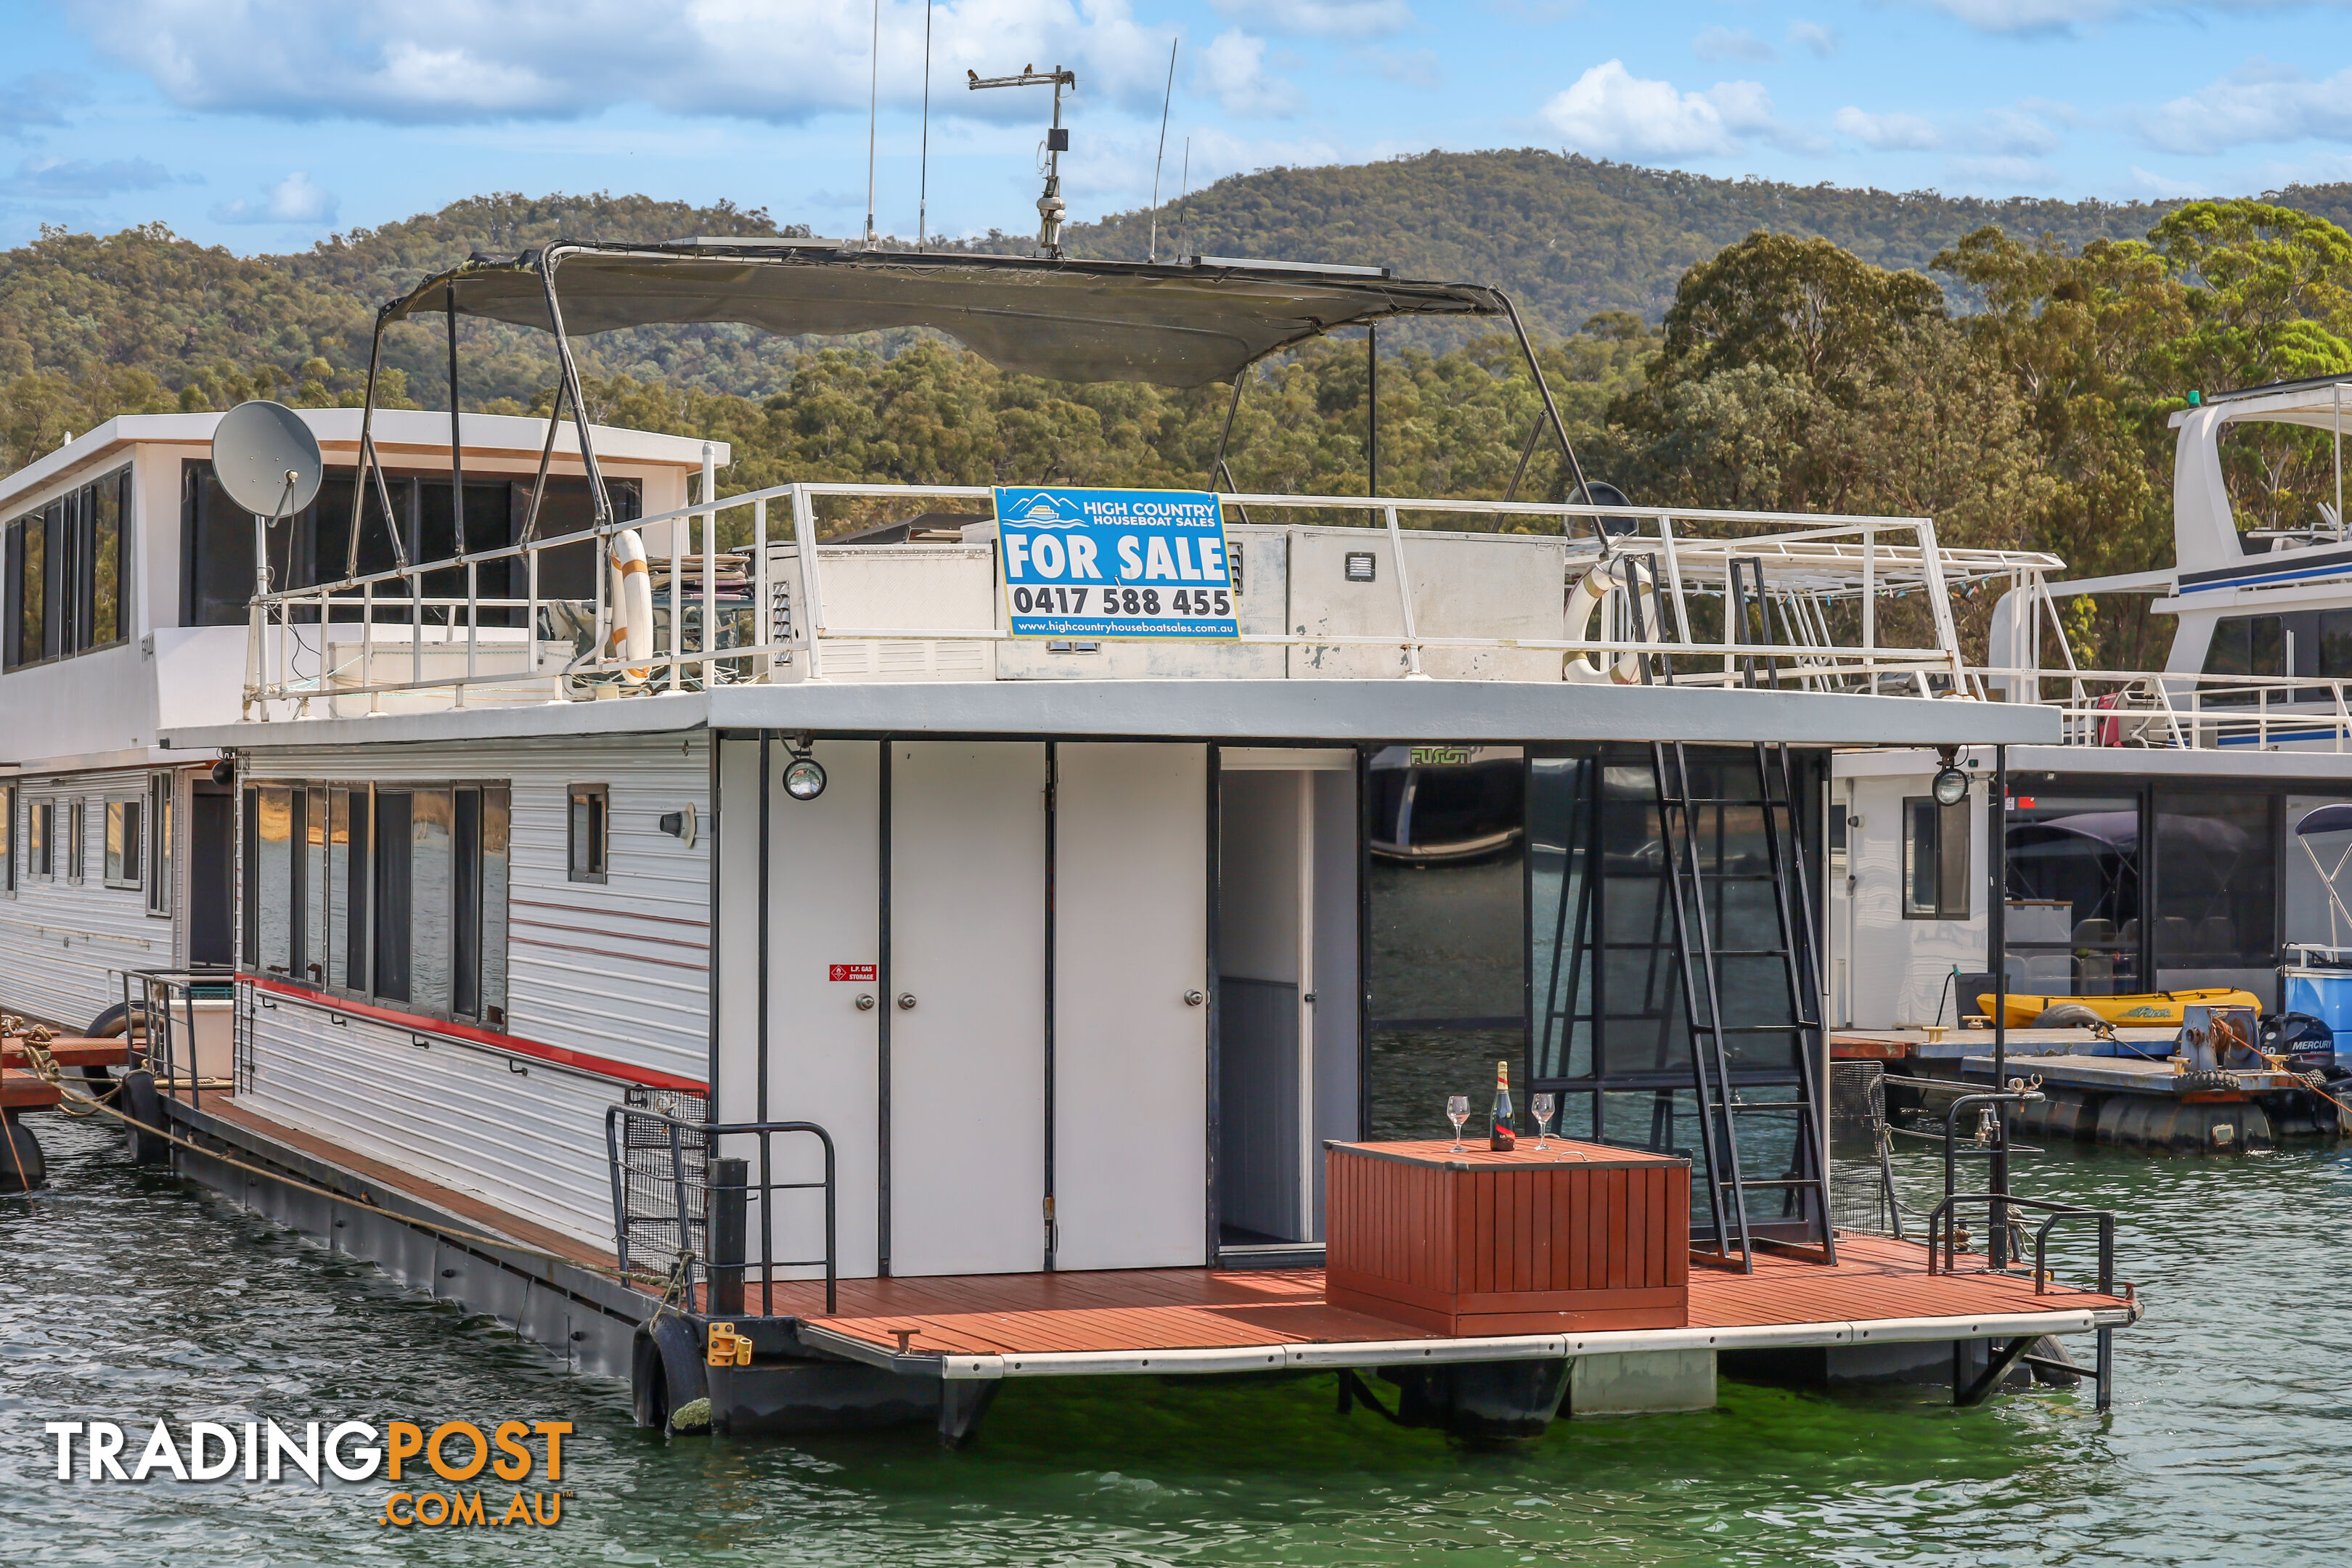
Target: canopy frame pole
<point>570,368</point>
<point>457,442</point>
<point>546,455</point>
<point>1551,411</point>
<point>367,449</point>
<point>1527,455</point>
<point>1372,408</point>
<point>1218,469</point>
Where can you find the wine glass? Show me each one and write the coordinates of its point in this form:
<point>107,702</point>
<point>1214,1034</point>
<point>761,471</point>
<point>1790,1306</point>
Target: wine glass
<point>1457,1110</point>
<point>1543,1105</point>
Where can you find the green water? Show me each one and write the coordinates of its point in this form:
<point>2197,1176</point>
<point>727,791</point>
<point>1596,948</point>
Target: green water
<point>125,1295</point>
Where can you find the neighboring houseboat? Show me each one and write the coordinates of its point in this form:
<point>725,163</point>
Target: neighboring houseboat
<point>2154,847</point>
<point>125,576</point>
<point>822,980</point>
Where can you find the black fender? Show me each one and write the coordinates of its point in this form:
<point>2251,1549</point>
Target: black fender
<point>22,1167</point>
<point>144,1107</point>
<point>666,1373</point>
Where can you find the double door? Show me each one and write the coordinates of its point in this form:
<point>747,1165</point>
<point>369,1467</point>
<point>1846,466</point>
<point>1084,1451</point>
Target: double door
<point>986,977</point>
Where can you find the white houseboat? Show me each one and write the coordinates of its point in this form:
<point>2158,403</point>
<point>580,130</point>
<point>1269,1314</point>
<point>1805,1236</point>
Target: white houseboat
<point>125,577</point>
<point>2153,848</point>
<point>828,977</point>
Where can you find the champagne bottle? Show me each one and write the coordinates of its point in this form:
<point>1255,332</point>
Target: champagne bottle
<point>1504,1136</point>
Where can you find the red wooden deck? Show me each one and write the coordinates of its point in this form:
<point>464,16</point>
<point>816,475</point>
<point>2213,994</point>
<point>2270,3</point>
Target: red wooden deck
<point>1875,1279</point>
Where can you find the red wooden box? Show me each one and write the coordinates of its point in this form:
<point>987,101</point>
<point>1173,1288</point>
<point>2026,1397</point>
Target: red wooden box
<point>1575,1236</point>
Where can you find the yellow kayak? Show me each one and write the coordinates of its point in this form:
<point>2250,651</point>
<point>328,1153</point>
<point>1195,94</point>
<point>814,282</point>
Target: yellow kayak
<point>2156,1010</point>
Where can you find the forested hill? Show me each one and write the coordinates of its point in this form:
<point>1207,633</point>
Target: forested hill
<point>1568,237</point>
<point>1571,237</point>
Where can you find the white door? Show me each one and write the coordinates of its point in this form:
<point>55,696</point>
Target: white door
<point>1131,988</point>
<point>967,1069</point>
<point>825,885</point>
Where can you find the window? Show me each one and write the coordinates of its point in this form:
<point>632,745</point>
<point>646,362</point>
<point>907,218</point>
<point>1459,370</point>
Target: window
<point>76,839</point>
<point>394,895</point>
<point>159,844</point>
<point>41,839</point>
<point>125,845</point>
<point>590,832</point>
<point>8,838</point>
<point>315,546</point>
<point>65,575</point>
<point>1936,880</point>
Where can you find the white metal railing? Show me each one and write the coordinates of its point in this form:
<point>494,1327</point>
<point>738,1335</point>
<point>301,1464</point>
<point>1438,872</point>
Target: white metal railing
<point>2181,711</point>
<point>1815,589</point>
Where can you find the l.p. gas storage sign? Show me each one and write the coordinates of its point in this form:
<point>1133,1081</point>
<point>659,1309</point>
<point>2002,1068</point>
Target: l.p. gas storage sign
<point>1115,564</point>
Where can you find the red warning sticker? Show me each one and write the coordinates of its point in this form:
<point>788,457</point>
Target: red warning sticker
<point>865,972</point>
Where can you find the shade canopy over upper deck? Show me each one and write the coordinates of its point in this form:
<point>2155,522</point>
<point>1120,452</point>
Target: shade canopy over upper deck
<point>1175,325</point>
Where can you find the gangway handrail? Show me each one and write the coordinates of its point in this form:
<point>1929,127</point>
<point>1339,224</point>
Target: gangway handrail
<point>693,1261</point>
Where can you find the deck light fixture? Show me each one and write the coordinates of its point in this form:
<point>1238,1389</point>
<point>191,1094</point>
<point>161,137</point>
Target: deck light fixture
<point>1951,785</point>
<point>803,776</point>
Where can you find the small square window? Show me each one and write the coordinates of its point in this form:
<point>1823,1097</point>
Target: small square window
<point>589,832</point>
<point>1363,566</point>
<point>125,842</point>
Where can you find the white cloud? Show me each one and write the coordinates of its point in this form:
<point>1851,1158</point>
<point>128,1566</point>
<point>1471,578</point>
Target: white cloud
<point>37,102</point>
<point>460,61</point>
<point>1407,67</point>
<point>1891,133</point>
<point>2149,182</point>
<point>2015,132</point>
<point>2262,101</point>
<point>296,199</point>
<point>2038,16</point>
<point>1322,18</point>
<point>1732,44</point>
<point>1815,39</point>
<point>1232,68</point>
<point>2003,176</point>
<point>80,179</point>
<point>1613,114</point>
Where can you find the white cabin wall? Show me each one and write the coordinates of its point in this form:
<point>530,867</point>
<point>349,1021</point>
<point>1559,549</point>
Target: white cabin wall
<point>618,969</point>
<point>530,1141</point>
<point>1896,969</point>
<point>63,946</point>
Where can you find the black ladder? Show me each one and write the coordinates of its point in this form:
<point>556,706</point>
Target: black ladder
<point>1804,1224</point>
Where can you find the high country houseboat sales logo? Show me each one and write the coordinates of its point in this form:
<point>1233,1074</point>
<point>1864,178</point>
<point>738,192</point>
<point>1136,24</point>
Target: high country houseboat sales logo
<point>508,1474</point>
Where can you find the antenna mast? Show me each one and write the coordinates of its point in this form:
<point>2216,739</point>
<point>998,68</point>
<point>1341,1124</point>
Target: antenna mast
<point>923,196</point>
<point>1162,156</point>
<point>873,116</point>
<point>1051,208</point>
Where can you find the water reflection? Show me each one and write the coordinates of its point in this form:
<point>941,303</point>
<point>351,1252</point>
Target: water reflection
<point>129,1297</point>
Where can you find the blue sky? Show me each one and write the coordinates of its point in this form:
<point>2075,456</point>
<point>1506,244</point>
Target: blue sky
<point>264,125</point>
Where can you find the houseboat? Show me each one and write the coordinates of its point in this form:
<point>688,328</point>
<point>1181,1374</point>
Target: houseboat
<point>2176,839</point>
<point>858,944</point>
<point>125,579</point>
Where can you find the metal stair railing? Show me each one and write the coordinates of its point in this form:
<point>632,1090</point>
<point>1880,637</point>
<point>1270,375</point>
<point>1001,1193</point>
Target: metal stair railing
<point>711,1246</point>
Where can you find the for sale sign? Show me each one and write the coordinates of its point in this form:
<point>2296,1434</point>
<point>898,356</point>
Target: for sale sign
<point>1114,563</point>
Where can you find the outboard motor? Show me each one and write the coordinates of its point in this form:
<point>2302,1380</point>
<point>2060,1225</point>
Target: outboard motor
<point>2307,1044</point>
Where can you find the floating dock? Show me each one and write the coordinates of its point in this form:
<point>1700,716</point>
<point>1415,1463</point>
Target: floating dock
<point>2125,1091</point>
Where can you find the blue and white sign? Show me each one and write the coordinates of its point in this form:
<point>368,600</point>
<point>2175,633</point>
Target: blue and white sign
<point>1115,564</point>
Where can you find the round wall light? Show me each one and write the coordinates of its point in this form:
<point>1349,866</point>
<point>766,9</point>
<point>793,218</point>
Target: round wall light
<point>804,777</point>
<point>1951,785</point>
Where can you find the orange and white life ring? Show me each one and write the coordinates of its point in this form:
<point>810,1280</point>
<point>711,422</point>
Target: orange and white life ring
<point>1585,601</point>
<point>632,636</point>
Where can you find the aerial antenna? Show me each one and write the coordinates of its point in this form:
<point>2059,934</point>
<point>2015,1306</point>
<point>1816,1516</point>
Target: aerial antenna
<point>1183,208</point>
<point>872,115</point>
<point>1162,156</point>
<point>1051,208</point>
<point>923,186</point>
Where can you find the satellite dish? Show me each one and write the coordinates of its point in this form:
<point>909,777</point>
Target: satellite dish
<point>266,459</point>
<point>1601,492</point>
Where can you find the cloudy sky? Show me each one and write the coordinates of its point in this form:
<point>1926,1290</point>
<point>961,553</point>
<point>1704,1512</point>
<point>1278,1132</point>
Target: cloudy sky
<point>266,125</point>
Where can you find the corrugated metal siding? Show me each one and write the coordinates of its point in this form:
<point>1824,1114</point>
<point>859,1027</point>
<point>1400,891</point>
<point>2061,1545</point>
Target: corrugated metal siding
<point>62,946</point>
<point>532,1144</point>
<point>619,969</point>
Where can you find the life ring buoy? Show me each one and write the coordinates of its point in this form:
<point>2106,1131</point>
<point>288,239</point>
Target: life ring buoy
<point>1584,603</point>
<point>632,635</point>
